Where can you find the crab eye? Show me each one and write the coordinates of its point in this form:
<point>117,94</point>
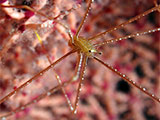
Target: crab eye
<point>100,53</point>
<point>89,51</point>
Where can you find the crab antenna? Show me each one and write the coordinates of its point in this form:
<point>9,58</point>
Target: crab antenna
<point>84,18</point>
<point>125,23</point>
<point>128,36</point>
<point>124,77</point>
<point>33,78</point>
<point>82,66</point>
<point>56,75</point>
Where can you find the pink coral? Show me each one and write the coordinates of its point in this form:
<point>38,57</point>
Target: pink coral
<point>104,95</point>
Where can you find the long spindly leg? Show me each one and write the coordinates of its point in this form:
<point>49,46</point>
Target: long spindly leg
<point>81,68</point>
<point>77,69</point>
<point>67,30</point>
<point>37,12</point>
<point>31,26</point>
<point>54,19</point>
<point>128,36</point>
<point>80,73</point>
<point>27,8</point>
<point>125,23</point>
<point>124,77</point>
<point>33,78</point>
<point>84,18</point>
<point>48,93</point>
<point>56,75</point>
<point>156,4</point>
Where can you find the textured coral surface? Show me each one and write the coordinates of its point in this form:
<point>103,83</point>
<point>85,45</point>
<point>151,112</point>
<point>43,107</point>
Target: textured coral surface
<point>104,95</point>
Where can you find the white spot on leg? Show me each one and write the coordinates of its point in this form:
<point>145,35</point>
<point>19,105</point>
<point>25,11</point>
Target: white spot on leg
<point>75,78</point>
<point>71,108</point>
<point>27,83</point>
<point>80,89</point>
<point>144,89</point>
<point>75,112</point>
<point>66,12</point>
